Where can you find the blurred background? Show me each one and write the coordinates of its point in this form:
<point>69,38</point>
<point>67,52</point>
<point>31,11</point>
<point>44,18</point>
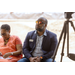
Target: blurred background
<point>23,22</point>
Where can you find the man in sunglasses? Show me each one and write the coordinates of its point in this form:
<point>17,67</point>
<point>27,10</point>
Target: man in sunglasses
<point>39,45</point>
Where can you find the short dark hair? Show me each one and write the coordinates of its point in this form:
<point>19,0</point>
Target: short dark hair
<point>6,27</point>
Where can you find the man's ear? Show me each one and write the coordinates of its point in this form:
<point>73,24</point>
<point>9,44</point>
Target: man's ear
<point>9,31</point>
<point>45,25</point>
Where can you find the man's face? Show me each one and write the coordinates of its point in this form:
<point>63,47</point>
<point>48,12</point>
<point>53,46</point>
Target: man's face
<point>5,34</point>
<point>40,25</point>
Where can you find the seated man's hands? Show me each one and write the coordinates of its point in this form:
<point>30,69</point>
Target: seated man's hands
<point>38,59</point>
<point>35,59</point>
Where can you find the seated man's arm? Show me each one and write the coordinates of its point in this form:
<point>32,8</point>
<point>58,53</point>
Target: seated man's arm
<point>52,48</point>
<point>26,47</point>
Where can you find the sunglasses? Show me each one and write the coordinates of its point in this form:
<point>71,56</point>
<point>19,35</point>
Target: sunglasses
<point>40,22</point>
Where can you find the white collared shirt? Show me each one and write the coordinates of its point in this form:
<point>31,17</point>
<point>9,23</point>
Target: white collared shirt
<point>38,51</point>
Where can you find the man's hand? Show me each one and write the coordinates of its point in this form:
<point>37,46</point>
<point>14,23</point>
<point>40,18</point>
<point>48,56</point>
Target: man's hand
<point>33,59</point>
<point>6,55</point>
<point>38,59</point>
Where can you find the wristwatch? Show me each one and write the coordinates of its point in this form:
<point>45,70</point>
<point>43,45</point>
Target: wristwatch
<point>11,53</point>
<point>41,57</point>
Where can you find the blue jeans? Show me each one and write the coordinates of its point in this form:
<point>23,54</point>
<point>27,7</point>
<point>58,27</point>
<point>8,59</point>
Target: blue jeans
<point>27,60</point>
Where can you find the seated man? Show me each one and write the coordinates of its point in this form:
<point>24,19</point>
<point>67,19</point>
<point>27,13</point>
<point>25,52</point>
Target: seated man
<point>10,46</point>
<point>39,45</point>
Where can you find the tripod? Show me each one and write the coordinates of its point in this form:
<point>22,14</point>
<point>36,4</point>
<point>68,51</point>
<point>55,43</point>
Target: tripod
<point>65,31</point>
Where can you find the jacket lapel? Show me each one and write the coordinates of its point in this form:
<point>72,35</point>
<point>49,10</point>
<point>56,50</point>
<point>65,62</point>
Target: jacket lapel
<point>44,40</point>
<point>34,43</point>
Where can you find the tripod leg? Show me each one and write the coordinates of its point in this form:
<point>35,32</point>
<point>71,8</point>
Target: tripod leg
<point>67,30</point>
<point>62,54</point>
<point>58,42</point>
<point>72,25</point>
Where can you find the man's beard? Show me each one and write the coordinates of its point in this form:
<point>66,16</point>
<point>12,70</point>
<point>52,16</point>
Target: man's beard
<point>40,29</point>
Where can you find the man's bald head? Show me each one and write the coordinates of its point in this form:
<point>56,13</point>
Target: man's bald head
<point>41,24</point>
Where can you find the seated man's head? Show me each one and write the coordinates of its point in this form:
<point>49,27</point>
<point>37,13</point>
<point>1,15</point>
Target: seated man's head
<point>5,31</point>
<point>41,24</point>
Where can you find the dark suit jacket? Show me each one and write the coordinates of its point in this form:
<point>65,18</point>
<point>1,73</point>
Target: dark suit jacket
<point>48,45</point>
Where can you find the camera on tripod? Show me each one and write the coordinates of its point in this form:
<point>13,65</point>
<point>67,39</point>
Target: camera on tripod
<point>68,15</point>
<point>65,34</point>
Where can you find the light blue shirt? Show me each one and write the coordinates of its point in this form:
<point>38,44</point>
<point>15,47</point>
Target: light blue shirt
<point>38,51</point>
